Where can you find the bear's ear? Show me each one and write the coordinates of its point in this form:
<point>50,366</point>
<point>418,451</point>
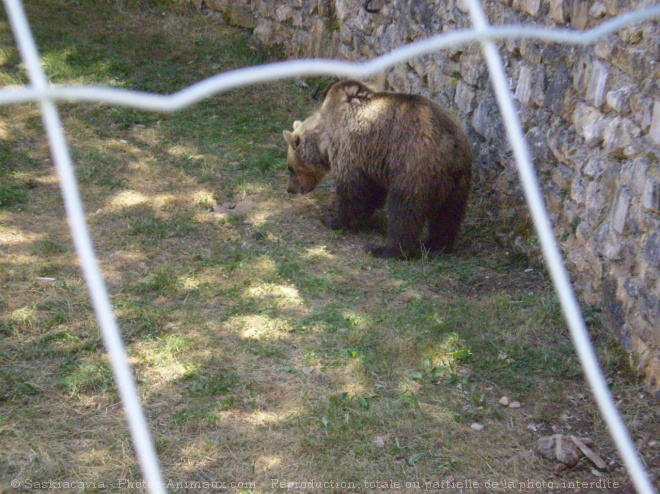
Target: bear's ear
<point>296,124</point>
<point>291,139</point>
<point>357,91</point>
<point>324,143</point>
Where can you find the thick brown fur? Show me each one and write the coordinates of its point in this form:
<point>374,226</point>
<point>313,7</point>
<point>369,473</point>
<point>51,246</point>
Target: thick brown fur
<point>402,152</point>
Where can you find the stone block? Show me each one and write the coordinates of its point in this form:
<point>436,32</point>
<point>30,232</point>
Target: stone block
<point>598,10</point>
<point>618,100</point>
<point>561,142</point>
<point>531,7</point>
<point>487,121</point>
<point>631,35</point>
<point>597,87</point>
<point>594,167</point>
<point>589,124</point>
<point>556,11</point>
<point>603,49</point>
<point>615,6</point>
<point>620,209</point>
<point>596,201</point>
<point>538,146</point>
<point>594,263</point>
<point>531,50</point>
<point>632,60</point>
<point>287,14</point>
<point>464,97</point>
<point>651,196</point>
<point>562,176</point>
<point>240,16</point>
<point>642,110</point>
<point>654,128</point>
<point>215,5</point>
<point>420,65</point>
<point>554,202</point>
<point>652,249</point>
<point>403,80</point>
<point>343,9</point>
<point>583,234</point>
<point>651,36</point>
<point>524,88</point>
<point>620,138</point>
<point>539,86</point>
<point>472,67</point>
<point>579,13</point>
<point>270,33</point>
<point>346,36</point>
<point>442,85</point>
<point>558,95</point>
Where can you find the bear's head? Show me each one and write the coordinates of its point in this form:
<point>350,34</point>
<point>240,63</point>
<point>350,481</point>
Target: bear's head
<point>307,157</point>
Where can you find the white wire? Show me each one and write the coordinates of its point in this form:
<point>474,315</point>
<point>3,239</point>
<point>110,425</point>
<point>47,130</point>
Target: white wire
<point>554,260</point>
<point>74,209</point>
<point>46,95</point>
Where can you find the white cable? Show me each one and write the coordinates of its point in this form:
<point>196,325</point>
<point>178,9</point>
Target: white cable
<point>46,95</point>
<point>554,261</point>
<point>280,70</point>
<point>125,384</point>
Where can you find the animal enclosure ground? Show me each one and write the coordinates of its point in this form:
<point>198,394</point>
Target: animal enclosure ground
<point>266,348</point>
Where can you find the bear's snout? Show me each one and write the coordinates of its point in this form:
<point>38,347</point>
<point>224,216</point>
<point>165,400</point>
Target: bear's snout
<point>301,184</point>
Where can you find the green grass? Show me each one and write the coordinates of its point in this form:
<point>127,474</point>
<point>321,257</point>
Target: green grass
<point>264,345</point>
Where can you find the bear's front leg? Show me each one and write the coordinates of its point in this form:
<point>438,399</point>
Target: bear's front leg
<point>331,221</point>
<point>356,203</point>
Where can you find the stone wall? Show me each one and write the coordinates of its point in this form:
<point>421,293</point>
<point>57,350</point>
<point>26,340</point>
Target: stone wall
<point>591,116</point>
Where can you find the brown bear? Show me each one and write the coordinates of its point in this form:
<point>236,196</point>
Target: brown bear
<point>403,152</point>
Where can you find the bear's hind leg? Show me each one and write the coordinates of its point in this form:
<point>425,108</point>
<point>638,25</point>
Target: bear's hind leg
<point>445,223</point>
<point>405,222</point>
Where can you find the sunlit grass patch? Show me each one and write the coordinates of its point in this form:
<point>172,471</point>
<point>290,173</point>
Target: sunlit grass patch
<point>76,377</point>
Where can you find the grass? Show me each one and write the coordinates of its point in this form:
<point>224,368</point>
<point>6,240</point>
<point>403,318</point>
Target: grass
<point>264,346</point>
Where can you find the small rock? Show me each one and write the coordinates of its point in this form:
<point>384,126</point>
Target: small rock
<point>307,370</point>
<point>476,426</point>
<point>589,453</point>
<point>504,401</point>
<point>566,449</point>
<point>514,404</point>
<point>547,446</point>
<point>566,452</point>
<point>379,441</point>
<point>229,204</point>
